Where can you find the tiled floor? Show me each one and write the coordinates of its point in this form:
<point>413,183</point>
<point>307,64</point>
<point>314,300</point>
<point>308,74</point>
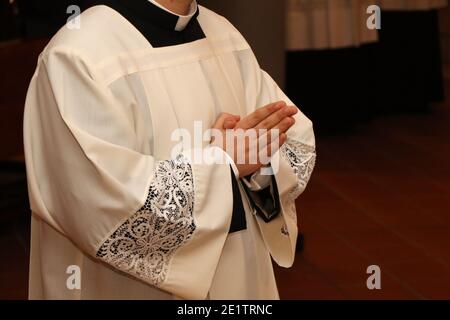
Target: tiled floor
<point>379,196</point>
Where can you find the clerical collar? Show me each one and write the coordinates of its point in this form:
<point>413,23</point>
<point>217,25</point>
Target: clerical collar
<point>157,14</point>
<point>157,24</point>
<point>183,20</point>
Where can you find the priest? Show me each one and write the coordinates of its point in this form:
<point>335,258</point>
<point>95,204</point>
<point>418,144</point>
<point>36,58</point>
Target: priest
<point>118,204</point>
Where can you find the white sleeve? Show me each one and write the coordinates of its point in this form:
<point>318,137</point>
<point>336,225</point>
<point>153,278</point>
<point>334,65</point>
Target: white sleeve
<point>292,164</point>
<point>163,222</point>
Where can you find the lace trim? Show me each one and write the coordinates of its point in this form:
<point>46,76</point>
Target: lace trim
<point>144,244</point>
<point>302,159</point>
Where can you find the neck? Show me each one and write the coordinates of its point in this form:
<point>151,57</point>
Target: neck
<point>180,7</point>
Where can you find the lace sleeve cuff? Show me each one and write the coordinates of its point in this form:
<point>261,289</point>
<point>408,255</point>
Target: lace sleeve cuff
<point>302,159</point>
<point>144,244</point>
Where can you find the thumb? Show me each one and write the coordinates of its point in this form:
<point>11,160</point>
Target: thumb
<point>230,123</point>
<point>224,117</point>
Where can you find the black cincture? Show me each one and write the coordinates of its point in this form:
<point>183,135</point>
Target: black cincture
<point>154,23</point>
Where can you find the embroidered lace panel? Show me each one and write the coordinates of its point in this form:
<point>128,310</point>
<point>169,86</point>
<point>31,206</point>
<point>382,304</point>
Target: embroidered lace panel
<point>144,244</point>
<point>302,159</point>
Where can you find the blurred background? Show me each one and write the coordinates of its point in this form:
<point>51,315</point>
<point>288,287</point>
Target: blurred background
<point>380,103</point>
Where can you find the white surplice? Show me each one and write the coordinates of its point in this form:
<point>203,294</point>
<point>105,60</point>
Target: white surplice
<point>107,196</point>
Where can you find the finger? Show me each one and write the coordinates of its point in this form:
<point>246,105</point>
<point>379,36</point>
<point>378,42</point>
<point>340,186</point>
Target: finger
<point>284,125</point>
<point>267,136</point>
<point>222,118</point>
<point>230,123</point>
<point>274,119</point>
<point>260,114</point>
<point>265,153</point>
<point>275,145</point>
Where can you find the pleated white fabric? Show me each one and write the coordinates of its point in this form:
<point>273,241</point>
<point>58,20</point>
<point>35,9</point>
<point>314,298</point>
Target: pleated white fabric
<point>327,24</point>
<point>106,193</point>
